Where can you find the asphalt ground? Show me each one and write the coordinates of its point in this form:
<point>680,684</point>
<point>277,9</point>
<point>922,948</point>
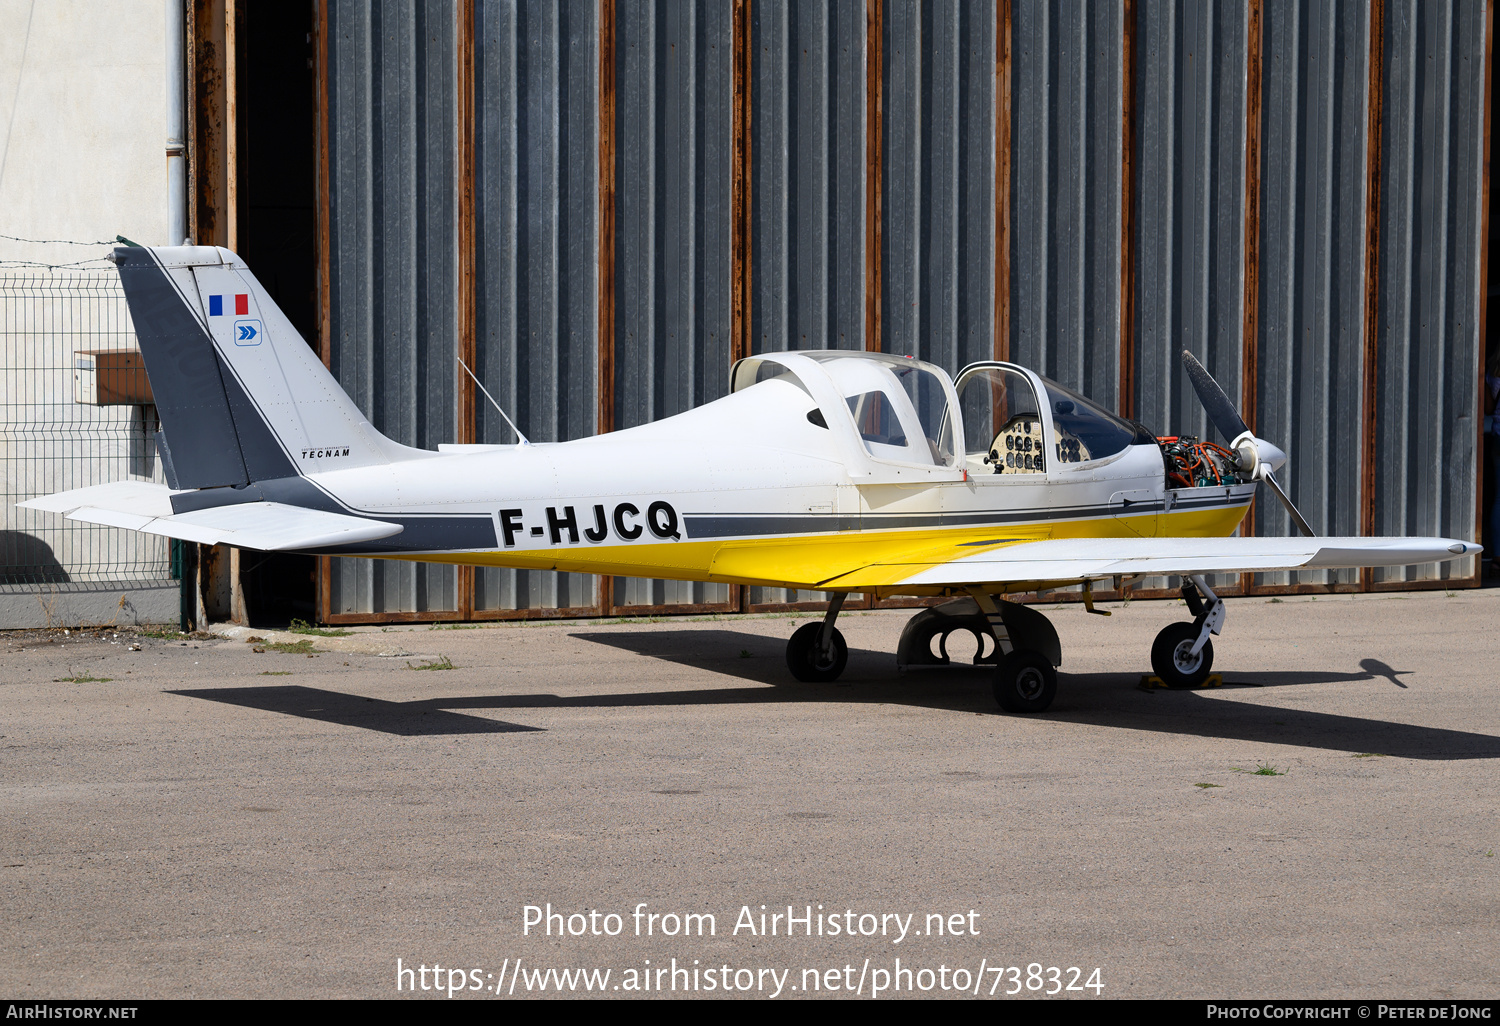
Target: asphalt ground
<point>199,819</point>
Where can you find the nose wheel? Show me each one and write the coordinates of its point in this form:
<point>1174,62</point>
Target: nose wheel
<point>1173,658</point>
<point>1182,655</point>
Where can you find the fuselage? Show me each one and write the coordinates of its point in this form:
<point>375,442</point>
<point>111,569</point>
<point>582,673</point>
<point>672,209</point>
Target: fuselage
<point>750,490</point>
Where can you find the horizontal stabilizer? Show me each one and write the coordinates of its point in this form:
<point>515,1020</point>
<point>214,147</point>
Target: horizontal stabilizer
<point>141,498</point>
<point>270,526</point>
<point>1096,558</point>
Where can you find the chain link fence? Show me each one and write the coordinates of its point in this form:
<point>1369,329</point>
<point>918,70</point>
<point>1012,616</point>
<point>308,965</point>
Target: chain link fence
<point>75,410</point>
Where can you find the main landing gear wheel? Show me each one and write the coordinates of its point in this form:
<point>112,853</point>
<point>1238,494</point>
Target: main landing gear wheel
<point>808,664</point>
<point>1025,682</point>
<point>1173,660</point>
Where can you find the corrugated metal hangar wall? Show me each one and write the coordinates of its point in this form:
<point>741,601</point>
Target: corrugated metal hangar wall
<point>598,206</point>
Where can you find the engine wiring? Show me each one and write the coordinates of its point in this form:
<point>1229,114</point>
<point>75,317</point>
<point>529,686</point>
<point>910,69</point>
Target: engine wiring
<point>1190,463</point>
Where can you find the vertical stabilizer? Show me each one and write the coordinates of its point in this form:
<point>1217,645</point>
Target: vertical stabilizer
<point>242,398</point>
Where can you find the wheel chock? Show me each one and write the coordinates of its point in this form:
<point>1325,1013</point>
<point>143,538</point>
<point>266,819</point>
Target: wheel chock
<point>1151,682</point>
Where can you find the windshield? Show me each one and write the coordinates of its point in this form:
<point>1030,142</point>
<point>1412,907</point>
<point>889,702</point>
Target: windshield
<point>1082,430</point>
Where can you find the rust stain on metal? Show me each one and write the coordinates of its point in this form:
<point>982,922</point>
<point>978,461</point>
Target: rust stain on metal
<point>1249,340</point>
<point>207,126</point>
<point>740,226</point>
<point>1127,210</point>
<point>874,70</point>
<point>234,127</point>
<point>1371,379</point>
<point>1002,180</point>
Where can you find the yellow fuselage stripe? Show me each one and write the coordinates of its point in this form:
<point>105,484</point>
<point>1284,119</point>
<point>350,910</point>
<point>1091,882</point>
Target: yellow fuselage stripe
<point>846,561</point>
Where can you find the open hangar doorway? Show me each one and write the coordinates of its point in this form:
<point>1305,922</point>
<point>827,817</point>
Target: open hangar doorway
<point>253,144</point>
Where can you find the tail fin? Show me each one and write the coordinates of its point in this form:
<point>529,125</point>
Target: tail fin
<point>240,395</point>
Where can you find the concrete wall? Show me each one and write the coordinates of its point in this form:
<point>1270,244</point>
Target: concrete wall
<point>130,604</point>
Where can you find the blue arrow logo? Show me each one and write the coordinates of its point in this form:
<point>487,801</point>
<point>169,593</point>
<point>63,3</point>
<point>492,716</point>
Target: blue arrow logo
<point>247,332</point>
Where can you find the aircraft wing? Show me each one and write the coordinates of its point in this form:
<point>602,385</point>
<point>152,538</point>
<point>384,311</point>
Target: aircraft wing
<point>270,526</point>
<point>1097,558</point>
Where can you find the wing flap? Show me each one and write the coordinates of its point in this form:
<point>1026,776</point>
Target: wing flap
<point>1094,558</point>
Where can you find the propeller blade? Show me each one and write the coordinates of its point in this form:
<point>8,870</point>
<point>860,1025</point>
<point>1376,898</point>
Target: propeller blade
<point>1286,501</point>
<point>1221,412</point>
<point>1224,416</point>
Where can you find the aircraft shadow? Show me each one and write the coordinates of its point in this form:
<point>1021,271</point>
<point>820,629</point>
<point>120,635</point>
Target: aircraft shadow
<point>764,661</point>
<point>1111,700</point>
<point>734,653</point>
<point>407,719</point>
<point>1106,700</point>
<point>1101,699</point>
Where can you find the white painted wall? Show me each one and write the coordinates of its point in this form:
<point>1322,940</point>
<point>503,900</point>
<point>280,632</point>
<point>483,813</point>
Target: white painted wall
<point>82,124</point>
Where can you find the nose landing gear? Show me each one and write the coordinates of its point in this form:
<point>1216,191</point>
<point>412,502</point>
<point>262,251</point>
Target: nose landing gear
<point>1182,655</point>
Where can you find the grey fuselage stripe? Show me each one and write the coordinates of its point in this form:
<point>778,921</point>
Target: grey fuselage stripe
<point>742,525</point>
<point>436,532</point>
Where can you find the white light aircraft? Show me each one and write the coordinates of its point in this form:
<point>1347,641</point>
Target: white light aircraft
<point>830,470</point>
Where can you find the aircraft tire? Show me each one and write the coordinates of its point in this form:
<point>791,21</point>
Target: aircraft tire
<point>1172,660</point>
<point>1025,682</point>
<point>802,655</point>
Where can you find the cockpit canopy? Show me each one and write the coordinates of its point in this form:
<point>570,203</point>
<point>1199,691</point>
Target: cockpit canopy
<point>898,407</point>
<point>898,412</point>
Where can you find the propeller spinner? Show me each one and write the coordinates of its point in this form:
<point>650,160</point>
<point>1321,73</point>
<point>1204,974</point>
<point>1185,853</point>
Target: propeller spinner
<point>1257,457</point>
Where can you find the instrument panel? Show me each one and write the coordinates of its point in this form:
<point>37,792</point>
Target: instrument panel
<point>1017,448</point>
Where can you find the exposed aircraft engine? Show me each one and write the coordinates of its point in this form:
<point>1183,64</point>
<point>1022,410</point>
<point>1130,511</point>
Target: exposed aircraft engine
<point>1193,464</point>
